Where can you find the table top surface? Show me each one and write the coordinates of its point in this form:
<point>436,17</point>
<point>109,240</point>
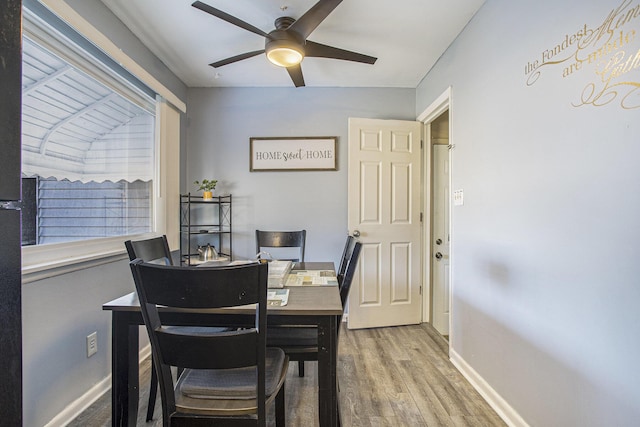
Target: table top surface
<point>303,300</point>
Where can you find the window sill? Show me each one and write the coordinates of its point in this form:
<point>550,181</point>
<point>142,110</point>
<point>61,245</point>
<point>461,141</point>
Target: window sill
<point>45,261</point>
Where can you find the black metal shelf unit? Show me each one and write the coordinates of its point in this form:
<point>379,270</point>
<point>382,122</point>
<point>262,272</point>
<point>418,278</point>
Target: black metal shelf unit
<point>205,222</point>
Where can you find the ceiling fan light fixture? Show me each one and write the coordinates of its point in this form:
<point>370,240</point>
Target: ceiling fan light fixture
<point>287,45</point>
<point>283,54</point>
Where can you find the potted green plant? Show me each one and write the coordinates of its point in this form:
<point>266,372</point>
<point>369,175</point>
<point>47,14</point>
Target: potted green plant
<point>206,186</point>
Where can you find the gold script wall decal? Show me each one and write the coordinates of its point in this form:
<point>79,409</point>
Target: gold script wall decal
<point>609,50</point>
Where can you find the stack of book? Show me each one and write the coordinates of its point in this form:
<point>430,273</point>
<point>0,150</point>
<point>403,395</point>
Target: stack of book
<point>278,272</point>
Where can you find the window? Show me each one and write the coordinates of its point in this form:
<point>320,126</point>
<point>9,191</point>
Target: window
<point>101,143</point>
<point>89,149</point>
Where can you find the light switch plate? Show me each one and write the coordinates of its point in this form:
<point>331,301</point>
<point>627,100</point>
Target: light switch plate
<point>458,197</point>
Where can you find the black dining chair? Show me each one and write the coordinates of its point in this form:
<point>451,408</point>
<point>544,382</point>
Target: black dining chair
<point>301,343</point>
<point>155,249</point>
<point>229,376</point>
<point>344,261</point>
<point>346,256</point>
<point>282,239</point>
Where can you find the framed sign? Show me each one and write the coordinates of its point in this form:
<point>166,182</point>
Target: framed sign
<point>312,153</point>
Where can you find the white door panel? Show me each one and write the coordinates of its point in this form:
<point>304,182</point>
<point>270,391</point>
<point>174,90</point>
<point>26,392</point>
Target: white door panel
<point>384,207</point>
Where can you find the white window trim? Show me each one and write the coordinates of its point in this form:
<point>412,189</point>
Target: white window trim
<point>81,25</point>
<point>44,261</point>
<point>39,31</point>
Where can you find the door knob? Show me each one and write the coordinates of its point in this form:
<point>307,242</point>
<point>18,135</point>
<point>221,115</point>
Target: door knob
<point>356,233</point>
<point>439,242</point>
<point>438,255</point>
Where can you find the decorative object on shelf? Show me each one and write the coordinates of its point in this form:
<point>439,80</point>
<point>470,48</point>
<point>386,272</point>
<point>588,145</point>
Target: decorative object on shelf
<point>207,253</point>
<point>207,186</point>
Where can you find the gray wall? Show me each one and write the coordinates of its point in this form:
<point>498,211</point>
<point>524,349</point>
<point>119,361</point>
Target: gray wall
<point>222,120</point>
<point>58,313</point>
<point>545,249</point>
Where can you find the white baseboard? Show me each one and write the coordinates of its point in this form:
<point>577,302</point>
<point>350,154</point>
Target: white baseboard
<point>83,402</point>
<point>502,408</point>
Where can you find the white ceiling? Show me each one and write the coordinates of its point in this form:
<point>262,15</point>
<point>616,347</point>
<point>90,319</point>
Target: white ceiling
<point>407,37</point>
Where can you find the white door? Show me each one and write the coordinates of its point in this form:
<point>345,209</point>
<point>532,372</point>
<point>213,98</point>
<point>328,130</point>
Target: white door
<point>384,212</point>
<point>440,239</point>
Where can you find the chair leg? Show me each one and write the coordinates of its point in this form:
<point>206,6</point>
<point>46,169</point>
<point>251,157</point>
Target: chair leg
<point>153,391</point>
<point>301,368</point>
<point>338,405</point>
<point>280,408</point>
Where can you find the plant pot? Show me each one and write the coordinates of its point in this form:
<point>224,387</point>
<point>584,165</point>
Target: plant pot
<point>207,195</point>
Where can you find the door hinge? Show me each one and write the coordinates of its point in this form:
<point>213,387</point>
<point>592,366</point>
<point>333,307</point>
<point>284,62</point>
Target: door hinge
<point>420,289</point>
<point>421,144</point>
<point>420,216</point>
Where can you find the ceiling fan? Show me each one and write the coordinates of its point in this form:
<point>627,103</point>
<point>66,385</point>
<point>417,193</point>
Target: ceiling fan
<point>287,45</point>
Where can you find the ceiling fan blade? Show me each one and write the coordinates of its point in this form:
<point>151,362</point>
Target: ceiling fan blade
<point>295,72</point>
<point>313,17</point>
<point>318,50</point>
<point>236,58</point>
<point>230,19</point>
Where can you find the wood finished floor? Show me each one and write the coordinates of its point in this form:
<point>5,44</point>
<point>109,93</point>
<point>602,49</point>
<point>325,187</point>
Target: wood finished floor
<point>395,377</point>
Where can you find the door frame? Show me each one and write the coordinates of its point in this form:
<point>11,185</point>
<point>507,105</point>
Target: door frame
<point>433,111</point>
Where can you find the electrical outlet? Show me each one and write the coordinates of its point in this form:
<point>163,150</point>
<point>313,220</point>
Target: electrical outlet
<point>92,344</point>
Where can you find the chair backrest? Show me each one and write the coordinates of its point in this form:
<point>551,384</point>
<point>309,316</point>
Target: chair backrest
<point>203,288</point>
<point>154,249</point>
<point>346,255</point>
<point>345,285</point>
<point>282,239</point>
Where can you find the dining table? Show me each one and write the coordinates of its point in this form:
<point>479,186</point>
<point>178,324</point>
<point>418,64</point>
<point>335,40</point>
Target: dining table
<point>307,305</point>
